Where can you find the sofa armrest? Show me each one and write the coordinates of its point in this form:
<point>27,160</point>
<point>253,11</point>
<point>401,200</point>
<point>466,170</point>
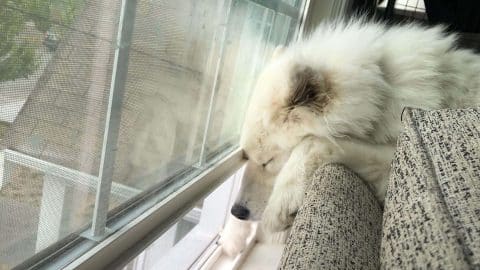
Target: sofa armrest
<point>338,225</point>
<point>432,207</point>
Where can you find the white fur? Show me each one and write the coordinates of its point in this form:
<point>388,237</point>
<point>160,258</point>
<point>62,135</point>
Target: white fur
<point>233,238</point>
<point>368,74</point>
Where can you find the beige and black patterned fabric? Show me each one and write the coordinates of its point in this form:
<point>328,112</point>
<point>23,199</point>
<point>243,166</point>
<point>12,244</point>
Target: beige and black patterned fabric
<point>338,226</point>
<point>432,208</point>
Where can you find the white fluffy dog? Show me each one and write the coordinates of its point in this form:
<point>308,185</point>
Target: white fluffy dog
<point>337,96</point>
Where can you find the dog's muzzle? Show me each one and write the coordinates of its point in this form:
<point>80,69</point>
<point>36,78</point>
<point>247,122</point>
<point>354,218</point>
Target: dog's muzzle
<point>240,211</point>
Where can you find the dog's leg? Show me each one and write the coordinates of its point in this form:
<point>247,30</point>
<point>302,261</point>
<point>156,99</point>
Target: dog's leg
<point>234,235</point>
<point>290,185</point>
<point>371,162</point>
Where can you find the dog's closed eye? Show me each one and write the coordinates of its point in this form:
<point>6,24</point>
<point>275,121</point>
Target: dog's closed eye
<point>264,165</point>
<point>244,155</point>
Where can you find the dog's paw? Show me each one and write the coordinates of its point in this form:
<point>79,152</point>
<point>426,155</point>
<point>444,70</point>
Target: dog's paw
<point>282,208</point>
<point>234,236</point>
<point>232,246</point>
<point>322,150</point>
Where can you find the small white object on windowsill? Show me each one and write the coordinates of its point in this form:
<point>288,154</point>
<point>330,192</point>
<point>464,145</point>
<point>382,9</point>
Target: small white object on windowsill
<point>233,238</point>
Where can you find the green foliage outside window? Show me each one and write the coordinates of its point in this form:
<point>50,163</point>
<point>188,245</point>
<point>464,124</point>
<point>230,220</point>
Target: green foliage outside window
<point>18,44</point>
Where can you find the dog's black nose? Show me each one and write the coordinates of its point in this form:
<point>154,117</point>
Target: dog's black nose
<point>240,211</point>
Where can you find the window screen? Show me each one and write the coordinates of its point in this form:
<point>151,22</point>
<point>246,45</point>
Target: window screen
<point>55,71</point>
<point>180,82</point>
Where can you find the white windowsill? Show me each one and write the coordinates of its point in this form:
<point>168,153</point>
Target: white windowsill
<point>255,256</point>
<point>159,217</point>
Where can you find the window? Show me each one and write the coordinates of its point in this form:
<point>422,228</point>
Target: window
<point>183,243</point>
<point>407,8</point>
<point>110,109</point>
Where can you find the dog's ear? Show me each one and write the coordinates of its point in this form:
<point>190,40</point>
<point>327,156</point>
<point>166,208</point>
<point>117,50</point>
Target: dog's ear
<point>278,51</point>
<point>309,89</point>
<point>304,87</point>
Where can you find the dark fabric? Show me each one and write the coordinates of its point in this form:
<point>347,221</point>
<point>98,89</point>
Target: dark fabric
<point>460,15</point>
<point>432,207</point>
<point>364,7</point>
<point>338,225</point>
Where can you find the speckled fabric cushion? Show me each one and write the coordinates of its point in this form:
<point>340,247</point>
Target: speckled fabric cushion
<point>338,226</point>
<point>432,208</point>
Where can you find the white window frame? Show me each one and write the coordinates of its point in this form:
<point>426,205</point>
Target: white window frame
<point>102,246</point>
<point>190,248</point>
<point>159,218</point>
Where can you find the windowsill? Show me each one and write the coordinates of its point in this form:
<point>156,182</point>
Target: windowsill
<point>261,256</point>
<point>255,256</point>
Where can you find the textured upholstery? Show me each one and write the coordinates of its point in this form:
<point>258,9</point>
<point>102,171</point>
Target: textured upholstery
<point>338,226</point>
<point>432,208</point>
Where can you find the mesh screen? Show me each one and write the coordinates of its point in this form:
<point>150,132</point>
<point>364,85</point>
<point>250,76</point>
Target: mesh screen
<point>168,89</point>
<point>56,113</point>
<point>187,88</point>
<point>53,97</point>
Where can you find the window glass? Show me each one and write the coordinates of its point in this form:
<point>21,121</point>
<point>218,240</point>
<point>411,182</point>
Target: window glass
<point>189,69</point>
<point>292,2</point>
<point>55,69</point>
<point>255,32</point>
<point>167,90</point>
<point>182,244</point>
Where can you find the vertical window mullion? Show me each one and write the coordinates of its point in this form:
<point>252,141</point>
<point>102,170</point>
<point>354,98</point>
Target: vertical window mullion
<point>304,8</point>
<point>224,29</point>
<point>112,123</point>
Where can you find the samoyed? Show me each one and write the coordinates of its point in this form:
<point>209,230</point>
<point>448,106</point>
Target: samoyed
<point>337,96</point>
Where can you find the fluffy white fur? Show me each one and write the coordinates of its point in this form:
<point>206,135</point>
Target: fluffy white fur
<point>233,238</point>
<point>337,96</point>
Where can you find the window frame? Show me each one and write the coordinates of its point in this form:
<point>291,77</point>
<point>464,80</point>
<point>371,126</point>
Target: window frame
<point>141,231</point>
<point>99,247</point>
<point>187,252</point>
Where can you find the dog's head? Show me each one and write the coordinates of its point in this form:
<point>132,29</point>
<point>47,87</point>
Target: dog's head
<point>288,100</point>
<point>317,91</point>
<point>287,103</point>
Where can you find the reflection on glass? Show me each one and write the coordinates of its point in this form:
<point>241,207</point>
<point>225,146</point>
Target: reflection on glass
<point>55,69</point>
<point>165,244</point>
<point>166,99</point>
<point>172,101</point>
<point>40,206</point>
<point>191,69</point>
<point>255,32</point>
<point>183,243</point>
<point>292,2</point>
